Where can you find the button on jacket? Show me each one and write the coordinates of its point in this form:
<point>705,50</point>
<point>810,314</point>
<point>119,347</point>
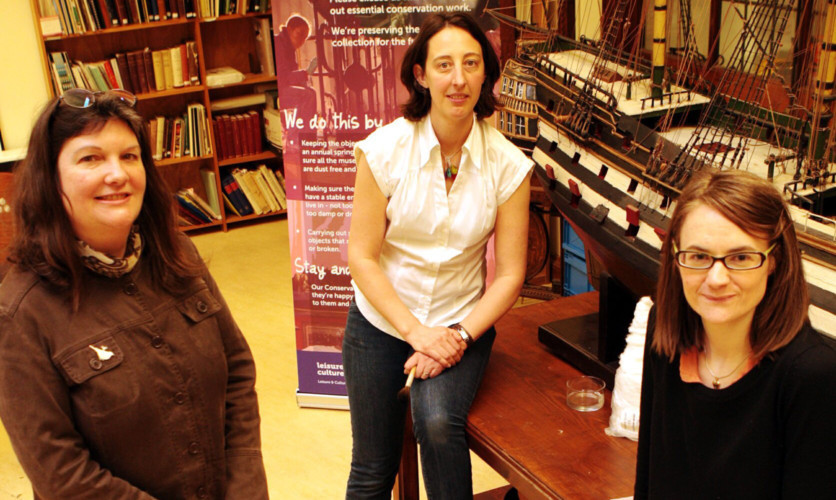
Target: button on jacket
<point>138,394</point>
<point>434,247</point>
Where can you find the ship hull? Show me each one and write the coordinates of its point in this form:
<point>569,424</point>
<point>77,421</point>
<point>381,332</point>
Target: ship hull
<point>598,210</point>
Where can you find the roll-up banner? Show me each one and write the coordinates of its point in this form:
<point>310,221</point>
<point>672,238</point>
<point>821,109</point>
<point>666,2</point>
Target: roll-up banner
<point>337,67</point>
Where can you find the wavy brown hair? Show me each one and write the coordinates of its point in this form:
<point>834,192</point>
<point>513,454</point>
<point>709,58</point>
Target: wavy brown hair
<point>44,240</point>
<point>418,104</point>
<point>754,205</point>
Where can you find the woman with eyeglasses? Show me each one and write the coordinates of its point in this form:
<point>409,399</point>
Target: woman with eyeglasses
<point>738,389</point>
<point>122,371</point>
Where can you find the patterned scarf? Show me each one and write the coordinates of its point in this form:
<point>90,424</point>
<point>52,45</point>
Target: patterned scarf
<point>108,266</point>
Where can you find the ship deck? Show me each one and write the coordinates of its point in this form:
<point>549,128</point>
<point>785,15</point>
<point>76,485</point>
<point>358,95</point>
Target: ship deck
<point>582,63</point>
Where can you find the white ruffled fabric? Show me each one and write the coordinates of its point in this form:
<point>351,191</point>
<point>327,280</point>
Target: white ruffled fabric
<point>626,395</point>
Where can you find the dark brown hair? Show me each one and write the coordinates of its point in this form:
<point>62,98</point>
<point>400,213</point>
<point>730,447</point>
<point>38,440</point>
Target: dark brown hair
<point>754,205</point>
<point>44,240</point>
<point>419,102</point>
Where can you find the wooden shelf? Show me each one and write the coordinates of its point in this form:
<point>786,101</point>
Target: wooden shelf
<point>233,219</point>
<point>180,161</point>
<point>196,227</point>
<point>268,155</point>
<point>249,79</point>
<point>232,17</point>
<point>159,94</point>
<point>120,29</point>
<point>228,40</point>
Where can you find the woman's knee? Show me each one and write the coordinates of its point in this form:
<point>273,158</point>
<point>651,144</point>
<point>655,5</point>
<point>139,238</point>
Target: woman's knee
<point>437,428</point>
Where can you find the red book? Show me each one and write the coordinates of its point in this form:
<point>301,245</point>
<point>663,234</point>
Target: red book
<point>127,75</point>
<point>122,11</point>
<point>134,11</point>
<point>254,122</point>
<point>148,59</point>
<point>229,143</point>
<point>107,17</point>
<point>237,143</point>
<point>111,76</point>
<point>184,63</point>
<point>219,144</point>
<point>136,67</point>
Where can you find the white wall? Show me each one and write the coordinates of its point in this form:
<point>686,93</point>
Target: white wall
<point>23,89</point>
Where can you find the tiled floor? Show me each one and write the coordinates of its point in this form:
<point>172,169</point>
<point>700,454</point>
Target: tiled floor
<point>306,451</point>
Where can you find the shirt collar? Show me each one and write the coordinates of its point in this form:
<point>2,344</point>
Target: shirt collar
<point>428,142</point>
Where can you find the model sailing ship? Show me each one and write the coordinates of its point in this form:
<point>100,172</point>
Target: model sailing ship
<point>618,137</point>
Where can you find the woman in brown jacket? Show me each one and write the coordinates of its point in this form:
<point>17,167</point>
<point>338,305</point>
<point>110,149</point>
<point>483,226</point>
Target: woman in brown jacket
<point>122,372</point>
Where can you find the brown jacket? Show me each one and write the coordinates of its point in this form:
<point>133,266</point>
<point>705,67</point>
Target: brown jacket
<point>164,407</point>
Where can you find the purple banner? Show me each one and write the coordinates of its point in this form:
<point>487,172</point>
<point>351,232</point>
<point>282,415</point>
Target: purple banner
<point>337,82</point>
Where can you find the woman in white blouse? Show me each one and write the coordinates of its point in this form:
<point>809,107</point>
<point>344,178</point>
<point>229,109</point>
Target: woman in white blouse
<point>431,189</point>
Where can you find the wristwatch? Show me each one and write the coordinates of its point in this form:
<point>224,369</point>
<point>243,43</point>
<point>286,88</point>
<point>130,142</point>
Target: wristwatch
<point>465,335</point>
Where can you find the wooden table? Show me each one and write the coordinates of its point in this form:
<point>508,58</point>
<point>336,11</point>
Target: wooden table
<point>521,426</point>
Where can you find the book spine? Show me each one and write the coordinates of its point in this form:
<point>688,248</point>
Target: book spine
<point>160,124</point>
<point>240,178</point>
<point>264,189</point>
<point>159,77</point>
<point>154,9</point>
<point>211,188</point>
<point>255,131</point>
<point>148,66</point>
<point>192,208</point>
<point>109,9</point>
<point>133,7</point>
<point>237,145</point>
<point>194,69</point>
<point>184,64</point>
<point>176,138</point>
<point>176,67</point>
<point>97,78</point>
<point>111,75</point>
<point>121,11</point>
<point>137,67</point>
<point>168,77</point>
<point>216,128</point>
<point>114,65</point>
<point>236,195</point>
<point>132,60</point>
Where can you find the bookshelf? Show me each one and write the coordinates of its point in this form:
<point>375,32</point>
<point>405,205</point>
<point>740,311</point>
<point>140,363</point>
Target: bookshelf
<point>227,40</point>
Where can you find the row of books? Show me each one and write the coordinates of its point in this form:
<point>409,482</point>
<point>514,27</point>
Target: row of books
<point>237,135</point>
<point>212,8</point>
<point>82,16</point>
<point>257,191</point>
<point>138,71</point>
<point>192,209</point>
<point>186,135</point>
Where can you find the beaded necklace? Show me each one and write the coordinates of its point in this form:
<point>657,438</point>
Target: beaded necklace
<point>451,169</point>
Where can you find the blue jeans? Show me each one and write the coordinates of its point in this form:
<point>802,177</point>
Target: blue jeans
<point>373,362</point>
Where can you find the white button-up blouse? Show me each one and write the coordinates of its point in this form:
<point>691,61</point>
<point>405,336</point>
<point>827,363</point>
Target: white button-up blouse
<point>435,242</point>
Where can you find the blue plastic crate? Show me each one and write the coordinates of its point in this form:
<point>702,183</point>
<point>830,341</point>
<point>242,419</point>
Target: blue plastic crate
<point>575,279</point>
<point>571,241</point>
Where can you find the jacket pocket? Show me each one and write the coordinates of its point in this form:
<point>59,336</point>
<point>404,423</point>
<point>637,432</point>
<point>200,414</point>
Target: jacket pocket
<point>99,378</point>
<point>199,311</point>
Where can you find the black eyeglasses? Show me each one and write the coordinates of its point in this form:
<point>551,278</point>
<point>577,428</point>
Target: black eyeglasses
<point>739,261</point>
<point>83,98</point>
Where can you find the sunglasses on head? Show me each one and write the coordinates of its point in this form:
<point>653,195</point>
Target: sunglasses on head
<point>83,98</point>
